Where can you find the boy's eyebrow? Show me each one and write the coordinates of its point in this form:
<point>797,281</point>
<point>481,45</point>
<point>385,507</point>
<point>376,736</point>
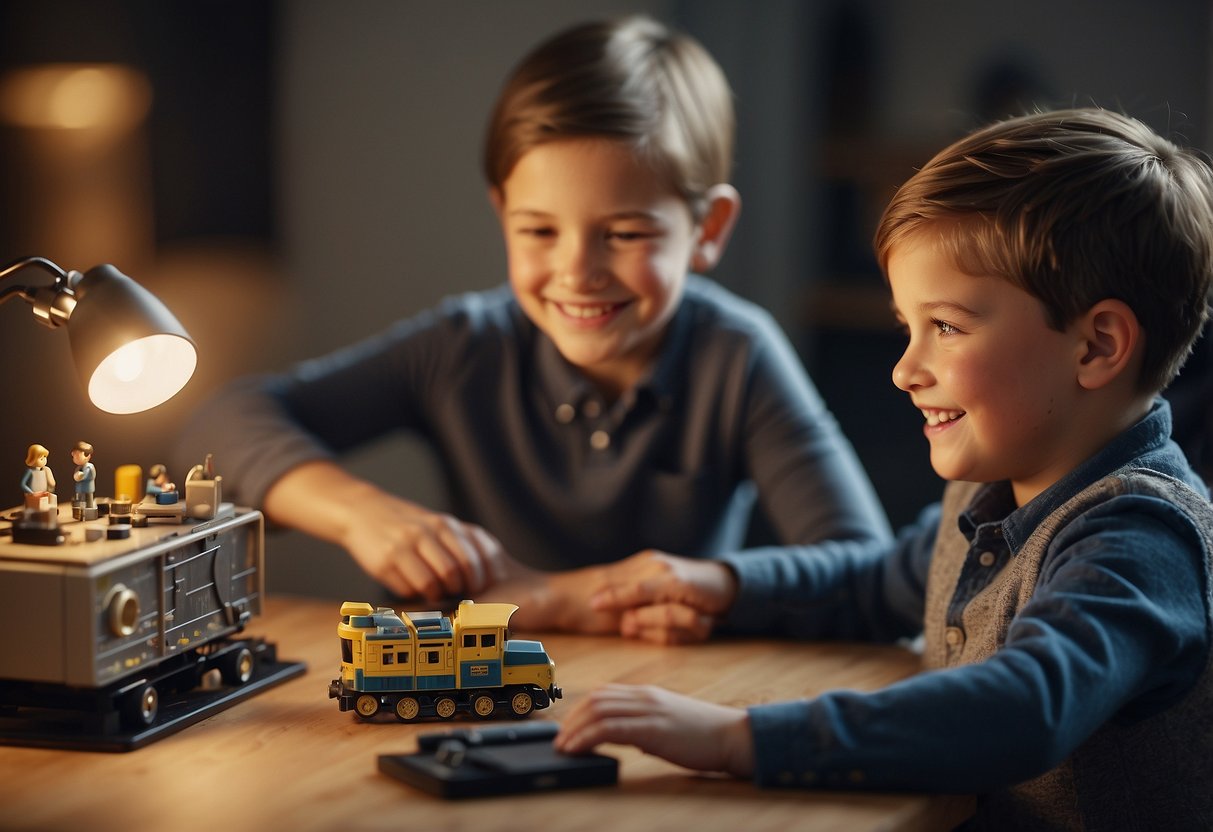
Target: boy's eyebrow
<point>934,309</point>
<point>946,307</point>
<point>535,213</point>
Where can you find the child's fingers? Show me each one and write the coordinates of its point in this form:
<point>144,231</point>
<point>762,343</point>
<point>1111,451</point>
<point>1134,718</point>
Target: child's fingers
<point>618,597</point>
<point>666,624</point>
<point>605,715</point>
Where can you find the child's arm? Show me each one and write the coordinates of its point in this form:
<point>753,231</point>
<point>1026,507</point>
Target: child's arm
<point>411,550</point>
<point>867,590</point>
<point>1108,633</point>
<point>811,485</point>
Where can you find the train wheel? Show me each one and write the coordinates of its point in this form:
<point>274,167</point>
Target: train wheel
<point>521,703</point>
<point>483,705</point>
<point>237,667</point>
<point>139,708</point>
<point>445,707</point>
<point>407,709</point>
<point>366,705</point>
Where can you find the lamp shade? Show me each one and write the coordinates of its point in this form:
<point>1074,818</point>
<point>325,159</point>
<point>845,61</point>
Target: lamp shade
<point>131,353</point>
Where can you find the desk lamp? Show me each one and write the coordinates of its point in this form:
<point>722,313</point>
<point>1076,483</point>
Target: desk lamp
<point>130,352</point>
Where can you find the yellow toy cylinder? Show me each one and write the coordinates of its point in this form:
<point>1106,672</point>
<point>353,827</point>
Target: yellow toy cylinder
<point>128,483</point>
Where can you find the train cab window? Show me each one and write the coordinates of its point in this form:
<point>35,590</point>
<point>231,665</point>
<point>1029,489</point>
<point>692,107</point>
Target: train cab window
<point>347,651</point>
<point>488,640</point>
<point>428,657</point>
<point>469,641</point>
<point>402,657</point>
<point>388,658</point>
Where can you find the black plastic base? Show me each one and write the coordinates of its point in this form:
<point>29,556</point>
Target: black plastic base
<point>74,730</point>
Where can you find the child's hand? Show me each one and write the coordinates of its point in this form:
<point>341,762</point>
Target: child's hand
<point>416,552</point>
<point>560,601</point>
<point>665,598</point>
<point>555,601</point>
<point>688,732</point>
<point>409,549</point>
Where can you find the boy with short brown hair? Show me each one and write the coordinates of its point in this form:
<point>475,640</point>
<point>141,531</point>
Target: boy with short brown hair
<point>1052,272</point>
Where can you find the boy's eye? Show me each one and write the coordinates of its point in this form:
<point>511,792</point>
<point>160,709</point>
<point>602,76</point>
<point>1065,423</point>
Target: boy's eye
<point>629,235</point>
<point>537,231</point>
<point>944,327</point>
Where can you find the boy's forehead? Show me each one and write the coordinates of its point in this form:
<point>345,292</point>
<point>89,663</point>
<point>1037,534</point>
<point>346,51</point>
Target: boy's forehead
<point>924,276</point>
<point>595,170</point>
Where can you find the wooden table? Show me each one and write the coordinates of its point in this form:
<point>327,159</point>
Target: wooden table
<point>287,759</point>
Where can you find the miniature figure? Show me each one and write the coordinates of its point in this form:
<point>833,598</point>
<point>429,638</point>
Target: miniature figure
<point>159,488</point>
<point>38,483</point>
<point>85,476</point>
<point>425,664</point>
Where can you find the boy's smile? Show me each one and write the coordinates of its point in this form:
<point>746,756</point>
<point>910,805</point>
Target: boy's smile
<point>599,246</point>
<point>995,384</point>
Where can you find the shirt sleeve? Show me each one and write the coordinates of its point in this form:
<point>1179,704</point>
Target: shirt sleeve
<point>869,590</point>
<point>1107,634</point>
<point>810,481</point>
<point>258,428</point>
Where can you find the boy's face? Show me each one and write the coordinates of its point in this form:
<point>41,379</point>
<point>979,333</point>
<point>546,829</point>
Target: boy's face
<point>599,249</point>
<point>995,383</point>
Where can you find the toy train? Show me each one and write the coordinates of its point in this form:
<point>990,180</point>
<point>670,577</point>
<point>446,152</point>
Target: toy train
<point>425,664</point>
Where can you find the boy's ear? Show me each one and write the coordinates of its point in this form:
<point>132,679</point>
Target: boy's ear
<point>496,199</point>
<point>724,206</point>
<point>1110,338</point>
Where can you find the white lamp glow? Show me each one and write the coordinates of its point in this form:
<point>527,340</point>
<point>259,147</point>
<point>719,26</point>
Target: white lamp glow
<point>142,374</point>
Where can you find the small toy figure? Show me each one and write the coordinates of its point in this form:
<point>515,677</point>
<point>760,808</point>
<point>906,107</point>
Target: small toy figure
<point>158,481</point>
<point>85,476</point>
<point>38,483</point>
<point>159,487</point>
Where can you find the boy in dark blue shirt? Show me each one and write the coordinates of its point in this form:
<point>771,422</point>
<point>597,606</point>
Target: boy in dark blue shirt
<point>608,400</point>
<point>1052,273</point>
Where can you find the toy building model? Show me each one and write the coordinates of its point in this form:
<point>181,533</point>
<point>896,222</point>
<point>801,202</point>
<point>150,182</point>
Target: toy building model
<point>123,614</point>
<point>425,664</point>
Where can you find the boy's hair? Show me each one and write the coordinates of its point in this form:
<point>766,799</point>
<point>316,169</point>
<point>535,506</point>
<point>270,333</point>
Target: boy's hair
<point>1074,207</point>
<point>632,80</point>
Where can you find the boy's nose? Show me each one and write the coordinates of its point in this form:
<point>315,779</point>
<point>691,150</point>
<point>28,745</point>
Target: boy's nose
<point>908,372</point>
<point>581,267</point>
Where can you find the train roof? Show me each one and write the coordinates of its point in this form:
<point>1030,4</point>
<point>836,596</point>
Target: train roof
<point>471,614</point>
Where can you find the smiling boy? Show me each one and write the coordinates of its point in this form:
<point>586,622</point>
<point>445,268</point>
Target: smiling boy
<point>607,400</point>
<point>1052,273</point>
<point>599,246</point>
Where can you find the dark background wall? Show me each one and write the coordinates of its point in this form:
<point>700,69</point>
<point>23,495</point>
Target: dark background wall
<point>308,171</point>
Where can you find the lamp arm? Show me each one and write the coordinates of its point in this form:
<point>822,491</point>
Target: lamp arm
<point>52,304</point>
<point>24,262</point>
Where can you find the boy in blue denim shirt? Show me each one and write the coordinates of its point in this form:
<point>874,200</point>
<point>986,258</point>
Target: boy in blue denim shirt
<point>1052,273</point>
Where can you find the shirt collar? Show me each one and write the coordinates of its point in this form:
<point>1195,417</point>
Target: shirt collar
<point>996,501</point>
<point>563,383</point>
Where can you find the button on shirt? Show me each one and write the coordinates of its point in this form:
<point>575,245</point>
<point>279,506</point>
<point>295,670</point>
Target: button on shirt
<point>724,418</point>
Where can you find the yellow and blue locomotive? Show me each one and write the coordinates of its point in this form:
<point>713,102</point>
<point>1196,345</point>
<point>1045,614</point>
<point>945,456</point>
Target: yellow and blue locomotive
<point>426,664</point>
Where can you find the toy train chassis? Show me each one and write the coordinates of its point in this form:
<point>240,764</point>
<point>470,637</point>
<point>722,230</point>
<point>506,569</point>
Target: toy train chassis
<point>512,700</point>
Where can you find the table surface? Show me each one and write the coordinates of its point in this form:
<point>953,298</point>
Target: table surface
<point>287,759</point>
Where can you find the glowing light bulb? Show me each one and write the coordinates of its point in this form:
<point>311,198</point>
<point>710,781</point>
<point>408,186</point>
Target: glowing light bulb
<point>142,374</point>
<point>128,362</point>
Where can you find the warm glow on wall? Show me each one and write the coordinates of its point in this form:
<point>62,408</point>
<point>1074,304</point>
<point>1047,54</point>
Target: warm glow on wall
<point>75,97</point>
